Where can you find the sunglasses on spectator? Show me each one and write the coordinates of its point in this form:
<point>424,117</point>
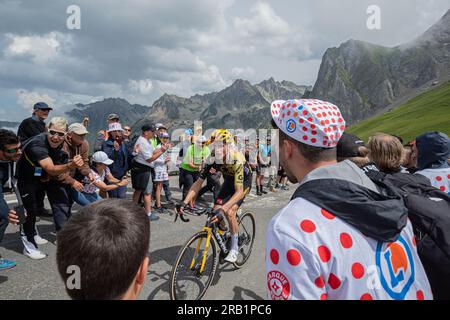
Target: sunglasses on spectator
<point>13,150</point>
<point>56,133</point>
<point>126,129</point>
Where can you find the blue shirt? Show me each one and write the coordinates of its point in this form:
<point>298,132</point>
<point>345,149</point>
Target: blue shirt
<point>120,158</point>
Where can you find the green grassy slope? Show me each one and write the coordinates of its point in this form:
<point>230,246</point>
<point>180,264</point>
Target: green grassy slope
<point>429,111</point>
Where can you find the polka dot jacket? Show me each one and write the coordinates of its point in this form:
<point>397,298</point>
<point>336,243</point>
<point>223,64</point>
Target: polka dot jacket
<point>312,254</point>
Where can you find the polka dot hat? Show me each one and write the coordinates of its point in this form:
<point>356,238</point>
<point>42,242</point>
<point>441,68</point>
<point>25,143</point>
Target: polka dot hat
<point>313,122</point>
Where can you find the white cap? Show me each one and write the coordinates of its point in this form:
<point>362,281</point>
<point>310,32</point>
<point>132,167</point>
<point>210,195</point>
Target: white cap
<point>101,157</point>
<point>115,127</point>
<point>160,126</point>
<point>77,128</point>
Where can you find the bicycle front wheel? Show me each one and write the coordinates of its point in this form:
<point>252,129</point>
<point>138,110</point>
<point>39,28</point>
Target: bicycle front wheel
<point>246,237</point>
<point>194,268</point>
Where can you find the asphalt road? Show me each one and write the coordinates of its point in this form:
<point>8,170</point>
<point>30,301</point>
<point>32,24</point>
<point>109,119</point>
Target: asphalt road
<point>40,279</point>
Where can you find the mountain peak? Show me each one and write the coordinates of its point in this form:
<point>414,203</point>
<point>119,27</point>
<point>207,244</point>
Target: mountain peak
<point>353,44</point>
<point>115,100</point>
<point>447,15</point>
<point>167,98</point>
<point>269,82</point>
<point>364,78</point>
<point>240,82</point>
<point>438,33</point>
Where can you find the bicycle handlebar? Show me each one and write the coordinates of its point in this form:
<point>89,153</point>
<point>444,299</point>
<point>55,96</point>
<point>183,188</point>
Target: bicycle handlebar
<point>179,213</point>
<point>210,212</point>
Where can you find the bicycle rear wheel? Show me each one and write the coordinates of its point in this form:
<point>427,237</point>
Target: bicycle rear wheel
<point>187,281</point>
<point>246,237</point>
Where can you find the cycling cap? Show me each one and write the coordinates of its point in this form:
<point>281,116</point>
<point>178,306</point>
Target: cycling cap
<point>313,122</point>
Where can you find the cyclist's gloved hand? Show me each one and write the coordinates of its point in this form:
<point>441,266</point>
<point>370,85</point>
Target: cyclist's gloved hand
<point>217,215</point>
<point>179,208</point>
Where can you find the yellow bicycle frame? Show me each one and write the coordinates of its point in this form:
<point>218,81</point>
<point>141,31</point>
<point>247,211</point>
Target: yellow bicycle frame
<point>205,251</point>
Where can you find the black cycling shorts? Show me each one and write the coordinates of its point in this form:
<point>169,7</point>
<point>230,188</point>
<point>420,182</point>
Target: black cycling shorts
<point>227,190</point>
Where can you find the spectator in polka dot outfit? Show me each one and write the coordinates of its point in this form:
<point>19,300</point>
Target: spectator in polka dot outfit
<point>433,153</point>
<point>339,238</point>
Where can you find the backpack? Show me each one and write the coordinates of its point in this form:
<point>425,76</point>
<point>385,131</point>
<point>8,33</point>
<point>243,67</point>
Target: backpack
<point>131,144</point>
<point>429,213</point>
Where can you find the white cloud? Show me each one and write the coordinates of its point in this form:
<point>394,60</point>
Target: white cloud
<point>263,22</point>
<point>189,83</point>
<point>41,48</point>
<point>183,72</point>
<point>246,73</point>
<point>27,99</point>
<point>264,31</point>
<point>180,60</point>
<point>143,87</point>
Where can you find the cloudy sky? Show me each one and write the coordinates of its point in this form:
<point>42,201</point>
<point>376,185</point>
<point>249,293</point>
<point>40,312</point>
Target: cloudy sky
<point>140,49</point>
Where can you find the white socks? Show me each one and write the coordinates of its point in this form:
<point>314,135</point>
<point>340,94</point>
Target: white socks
<point>234,242</point>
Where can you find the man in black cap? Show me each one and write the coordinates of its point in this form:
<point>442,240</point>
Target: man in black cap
<point>34,125</point>
<point>141,173</point>
<point>351,147</point>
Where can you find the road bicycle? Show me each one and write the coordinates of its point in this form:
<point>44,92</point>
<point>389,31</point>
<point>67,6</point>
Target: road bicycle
<point>197,261</point>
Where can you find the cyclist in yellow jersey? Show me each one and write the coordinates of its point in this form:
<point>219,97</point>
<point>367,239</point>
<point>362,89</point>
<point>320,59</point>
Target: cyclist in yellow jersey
<point>237,184</point>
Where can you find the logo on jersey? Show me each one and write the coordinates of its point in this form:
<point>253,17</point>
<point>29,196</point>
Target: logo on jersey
<point>278,284</point>
<point>396,266</point>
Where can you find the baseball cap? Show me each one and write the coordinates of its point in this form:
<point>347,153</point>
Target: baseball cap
<point>348,146</point>
<point>160,126</point>
<point>101,157</point>
<point>113,116</point>
<point>115,127</point>
<point>310,121</point>
<point>189,132</point>
<point>77,128</point>
<point>164,135</point>
<point>148,127</point>
<point>42,106</point>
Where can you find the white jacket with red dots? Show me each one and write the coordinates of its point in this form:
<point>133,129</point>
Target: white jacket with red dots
<point>313,253</point>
